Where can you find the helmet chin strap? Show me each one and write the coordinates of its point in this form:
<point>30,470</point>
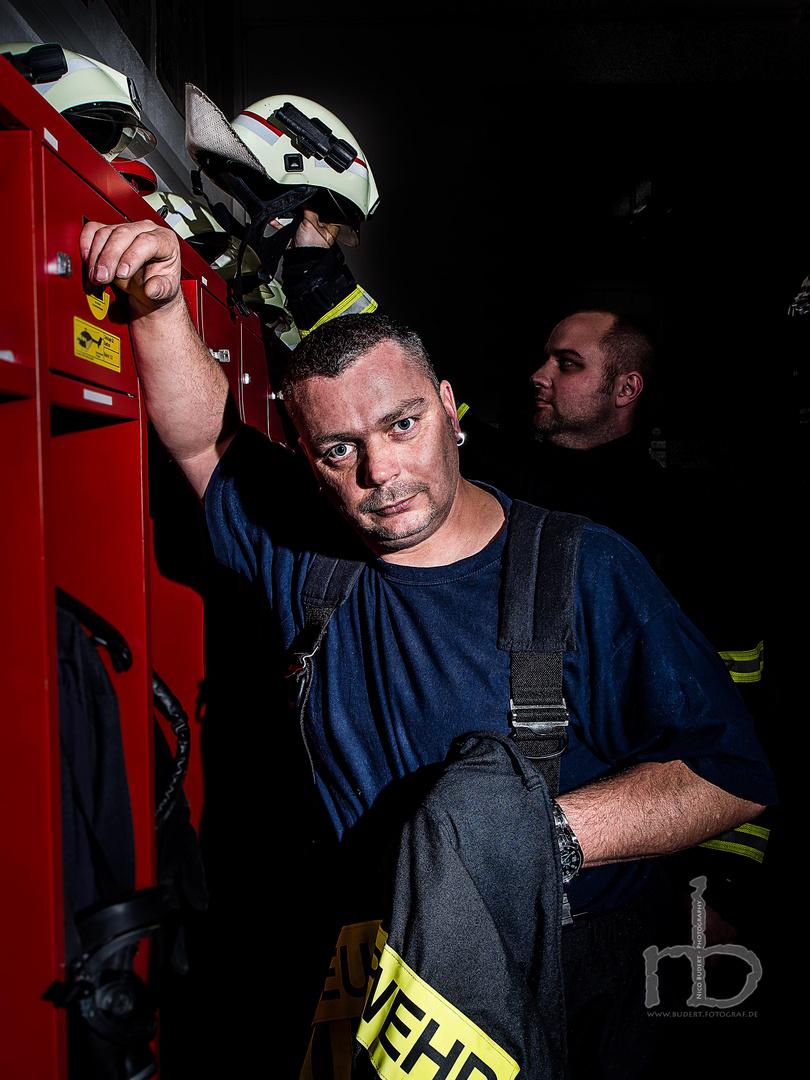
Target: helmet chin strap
<point>268,248</point>
<point>290,203</point>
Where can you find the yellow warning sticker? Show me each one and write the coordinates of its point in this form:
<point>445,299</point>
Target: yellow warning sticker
<point>410,1030</point>
<point>96,345</point>
<point>99,303</point>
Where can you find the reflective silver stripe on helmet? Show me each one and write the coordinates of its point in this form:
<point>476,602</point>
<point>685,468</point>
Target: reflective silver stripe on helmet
<point>357,167</point>
<point>259,127</point>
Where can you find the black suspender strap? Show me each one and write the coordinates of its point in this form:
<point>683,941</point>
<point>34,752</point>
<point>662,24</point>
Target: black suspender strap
<point>328,583</point>
<point>537,628</point>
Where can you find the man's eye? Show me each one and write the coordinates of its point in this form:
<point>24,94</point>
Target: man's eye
<point>339,452</point>
<point>401,426</point>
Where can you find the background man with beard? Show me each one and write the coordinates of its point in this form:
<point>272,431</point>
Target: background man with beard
<point>590,396</point>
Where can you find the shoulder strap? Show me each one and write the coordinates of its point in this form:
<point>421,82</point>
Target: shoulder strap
<point>328,583</point>
<point>537,627</point>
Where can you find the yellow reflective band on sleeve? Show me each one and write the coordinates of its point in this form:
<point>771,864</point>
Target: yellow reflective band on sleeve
<point>748,840</point>
<point>413,1033</point>
<point>754,830</point>
<point>344,992</point>
<point>745,666</point>
<point>462,409</point>
<point>358,302</point>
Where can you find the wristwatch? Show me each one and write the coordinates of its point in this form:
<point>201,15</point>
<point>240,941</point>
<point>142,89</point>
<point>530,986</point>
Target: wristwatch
<point>571,857</point>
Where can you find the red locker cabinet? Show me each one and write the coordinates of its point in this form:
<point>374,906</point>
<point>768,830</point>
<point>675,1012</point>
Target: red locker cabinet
<point>73,482</point>
<point>75,511</point>
<point>88,333</point>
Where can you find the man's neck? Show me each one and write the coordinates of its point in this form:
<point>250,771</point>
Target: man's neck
<point>581,440</point>
<point>474,521</point>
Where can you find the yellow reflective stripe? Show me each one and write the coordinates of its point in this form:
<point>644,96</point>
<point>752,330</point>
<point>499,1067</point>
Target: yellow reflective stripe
<point>746,677</point>
<point>344,992</point>
<point>462,409</point>
<point>358,302</point>
<point>734,841</point>
<point>754,830</point>
<point>736,849</point>
<point>745,665</point>
<point>411,1032</point>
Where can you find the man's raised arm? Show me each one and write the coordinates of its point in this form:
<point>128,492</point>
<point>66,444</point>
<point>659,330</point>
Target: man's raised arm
<point>185,389</point>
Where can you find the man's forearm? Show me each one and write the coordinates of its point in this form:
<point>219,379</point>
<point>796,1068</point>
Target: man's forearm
<point>186,392</point>
<point>651,809</point>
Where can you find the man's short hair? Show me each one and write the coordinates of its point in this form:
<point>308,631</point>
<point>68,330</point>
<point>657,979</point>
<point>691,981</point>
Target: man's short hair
<point>628,345</point>
<point>333,347</point>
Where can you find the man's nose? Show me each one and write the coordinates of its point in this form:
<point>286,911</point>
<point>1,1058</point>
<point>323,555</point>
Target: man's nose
<point>542,376</point>
<point>380,464</point>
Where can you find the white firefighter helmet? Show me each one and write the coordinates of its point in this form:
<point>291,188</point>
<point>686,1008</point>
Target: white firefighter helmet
<point>286,141</point>
<point>100,102</point>
<point>189,217</point>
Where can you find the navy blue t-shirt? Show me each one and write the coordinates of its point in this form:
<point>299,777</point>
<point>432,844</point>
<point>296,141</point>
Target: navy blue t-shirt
<point>410,661</point>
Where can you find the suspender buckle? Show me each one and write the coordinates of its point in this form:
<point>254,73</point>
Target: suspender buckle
<point>300,672</point>
<point>548,727</point>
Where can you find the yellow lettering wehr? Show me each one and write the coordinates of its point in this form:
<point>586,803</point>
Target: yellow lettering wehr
<point>413,1033</point>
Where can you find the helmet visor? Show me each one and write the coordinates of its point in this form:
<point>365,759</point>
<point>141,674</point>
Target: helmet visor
<point>112,129</point>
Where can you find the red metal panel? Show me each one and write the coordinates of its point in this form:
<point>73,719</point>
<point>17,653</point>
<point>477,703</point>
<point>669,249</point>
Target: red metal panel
<point>191,292</point>
<point>87,397</point>
<point>276,424</point>
<point>254,386</point>
<point>30,849</point>
<point>18,310</point>
<point>97,518</point>
<point>88,326</point>
<point>220,332</point>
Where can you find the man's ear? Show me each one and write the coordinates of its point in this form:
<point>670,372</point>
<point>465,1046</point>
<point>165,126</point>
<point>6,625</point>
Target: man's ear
<point>449,402</point>
<point>628,389</point>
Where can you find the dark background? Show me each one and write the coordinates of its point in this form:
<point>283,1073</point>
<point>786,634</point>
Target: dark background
<point>536,155</point>
<point>548,155</point>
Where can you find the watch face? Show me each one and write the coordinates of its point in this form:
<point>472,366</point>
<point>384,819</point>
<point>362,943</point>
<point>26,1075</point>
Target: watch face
<point>571,861</point>
<point>571,857</point>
